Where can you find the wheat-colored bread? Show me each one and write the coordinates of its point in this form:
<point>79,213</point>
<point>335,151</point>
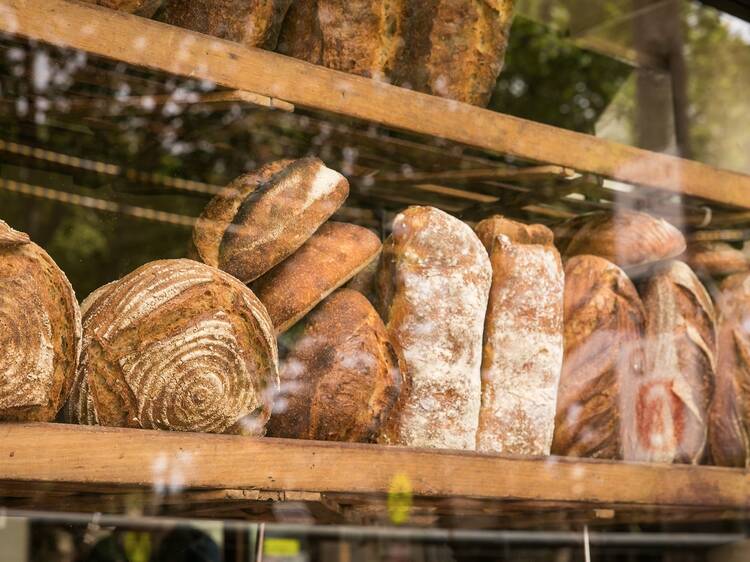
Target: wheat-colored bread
<point>602,364</point>
<point>253,23</point>
<point>279,216</point>
<point>523,339</point>
<point>679,379</point>
<point>729,416</point>
<point>433,285</point>
<point>40,331</point>
<point>331,256</point>
<point>145,8</point>
<point>340,379</point>
<point>626,238</point>
<point>716,259</point>
<point>176,345</point>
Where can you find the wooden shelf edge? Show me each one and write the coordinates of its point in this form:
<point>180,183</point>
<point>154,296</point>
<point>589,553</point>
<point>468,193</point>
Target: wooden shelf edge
<point>141,42</point>
<point>69,455</point>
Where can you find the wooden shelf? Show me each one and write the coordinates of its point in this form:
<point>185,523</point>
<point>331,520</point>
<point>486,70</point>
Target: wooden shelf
<point>75,468</point>
<point>144,43</point>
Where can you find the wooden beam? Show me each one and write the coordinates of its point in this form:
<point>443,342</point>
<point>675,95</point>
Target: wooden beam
<point>172,461</point>
<point>146,43</point>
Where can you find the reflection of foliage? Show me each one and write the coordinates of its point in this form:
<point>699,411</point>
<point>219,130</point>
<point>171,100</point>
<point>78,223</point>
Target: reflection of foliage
<point>548,79</point>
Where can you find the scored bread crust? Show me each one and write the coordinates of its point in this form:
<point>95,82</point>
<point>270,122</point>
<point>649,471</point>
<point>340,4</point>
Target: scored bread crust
<point>40,331</point>
<point>340,380</point>
<point>523,339</point>
<point>331,256</point>
<point>433,285</point>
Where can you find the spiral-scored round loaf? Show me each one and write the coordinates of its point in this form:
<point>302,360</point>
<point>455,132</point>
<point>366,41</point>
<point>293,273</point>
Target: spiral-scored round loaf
<point>40,331</point>
<point>176,345</point>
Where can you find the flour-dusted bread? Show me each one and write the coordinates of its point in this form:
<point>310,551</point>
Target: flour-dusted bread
<point>40,331</point>
<point>679,379</point>
<point>278,216</point>
<point>340,379</point>
<point>359,36</point>
<point>176,345</point>
<point>602,363</point>
<point>454,48</point>
<point>716,259</point>
<point>254,23</point>
<point>729,417</point>
<point>145,8</point>
<point>626,238</point>
<point>523,339</point>
<point>433,286</point>
<point>332,256</point>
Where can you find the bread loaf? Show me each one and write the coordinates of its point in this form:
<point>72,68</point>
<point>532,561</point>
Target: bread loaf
<point>278,217</point>
<point>602,363</point>
<point>729,416</point>
<point>331,256</point>
<point>145,8</point>
<point>340,379</point>
<point>523,339</point>
<point>40,331</point>
<point>177,345</point>
<point>716,259</point>
<point>433,285</point>
<point>626,238</point>
<point>254,23</point>
<point>454,48</point>
<point>360,36</point>
<point>678,384</point>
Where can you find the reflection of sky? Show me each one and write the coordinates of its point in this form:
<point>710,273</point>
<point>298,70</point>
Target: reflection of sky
<point>738,27</point>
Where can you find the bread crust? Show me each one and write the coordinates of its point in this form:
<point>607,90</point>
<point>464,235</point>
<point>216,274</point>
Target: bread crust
<point>145,8</point>
<point>523,339</point>
<point>716,259</point>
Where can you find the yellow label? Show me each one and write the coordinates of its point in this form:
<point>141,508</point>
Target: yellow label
<point>137,546</point>
<point>399,499</point>
<point>281,547</point>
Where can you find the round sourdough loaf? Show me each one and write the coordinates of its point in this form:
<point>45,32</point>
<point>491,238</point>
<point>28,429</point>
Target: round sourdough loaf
<point>340,380</point>
<point>176,345</point>
<point>40,331</point>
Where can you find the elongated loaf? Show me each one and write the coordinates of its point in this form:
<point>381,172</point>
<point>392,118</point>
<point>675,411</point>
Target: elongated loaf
<point>433,286</point>
<point>176,345</point>
<point>716,259</point>
<point>679,378</point>
<point>332,256</point>
<point>729,417</point>
<point>602,364</point>
<point>523,339</point>
<point>626,238</point>
<point>145,8</point>
<point>340,379</point>
<point>278,217</point>
<point>254,23</point>
<point>40,331</point>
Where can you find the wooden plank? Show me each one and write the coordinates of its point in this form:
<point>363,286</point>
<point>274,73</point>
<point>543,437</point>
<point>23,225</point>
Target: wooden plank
<point>174,461</point>
<point>142,42</point>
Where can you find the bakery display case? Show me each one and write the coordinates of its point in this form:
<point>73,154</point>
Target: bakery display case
<point>374,280</point>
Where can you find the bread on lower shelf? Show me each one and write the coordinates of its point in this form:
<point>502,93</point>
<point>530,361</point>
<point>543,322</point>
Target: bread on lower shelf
<point>176,345</point>
<point>40,331</point>
<point>433,285</point>
<point>340,379</point>
<point>523,339</point>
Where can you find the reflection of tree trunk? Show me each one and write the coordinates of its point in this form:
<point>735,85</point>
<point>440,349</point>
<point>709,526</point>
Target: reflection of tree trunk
<point>662,92</point>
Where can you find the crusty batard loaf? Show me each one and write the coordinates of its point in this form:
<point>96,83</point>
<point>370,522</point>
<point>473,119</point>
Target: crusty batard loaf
<point>279,216</point>
<point>176,345</point>
<point>433,285</point>
<point>145,8</point>
<point>218,214</point>
<point>454,48</point>
<point>254,23</point>
<point>602,363</point>
<point>626,238</point>
<point>716,259</point>
<point>678,383</point>
<point>335,253</point>
<point>729,417</point>
<point>358,36</point>
<point>523,339</point>
<point>340,379</point>
<point>40,331</point>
